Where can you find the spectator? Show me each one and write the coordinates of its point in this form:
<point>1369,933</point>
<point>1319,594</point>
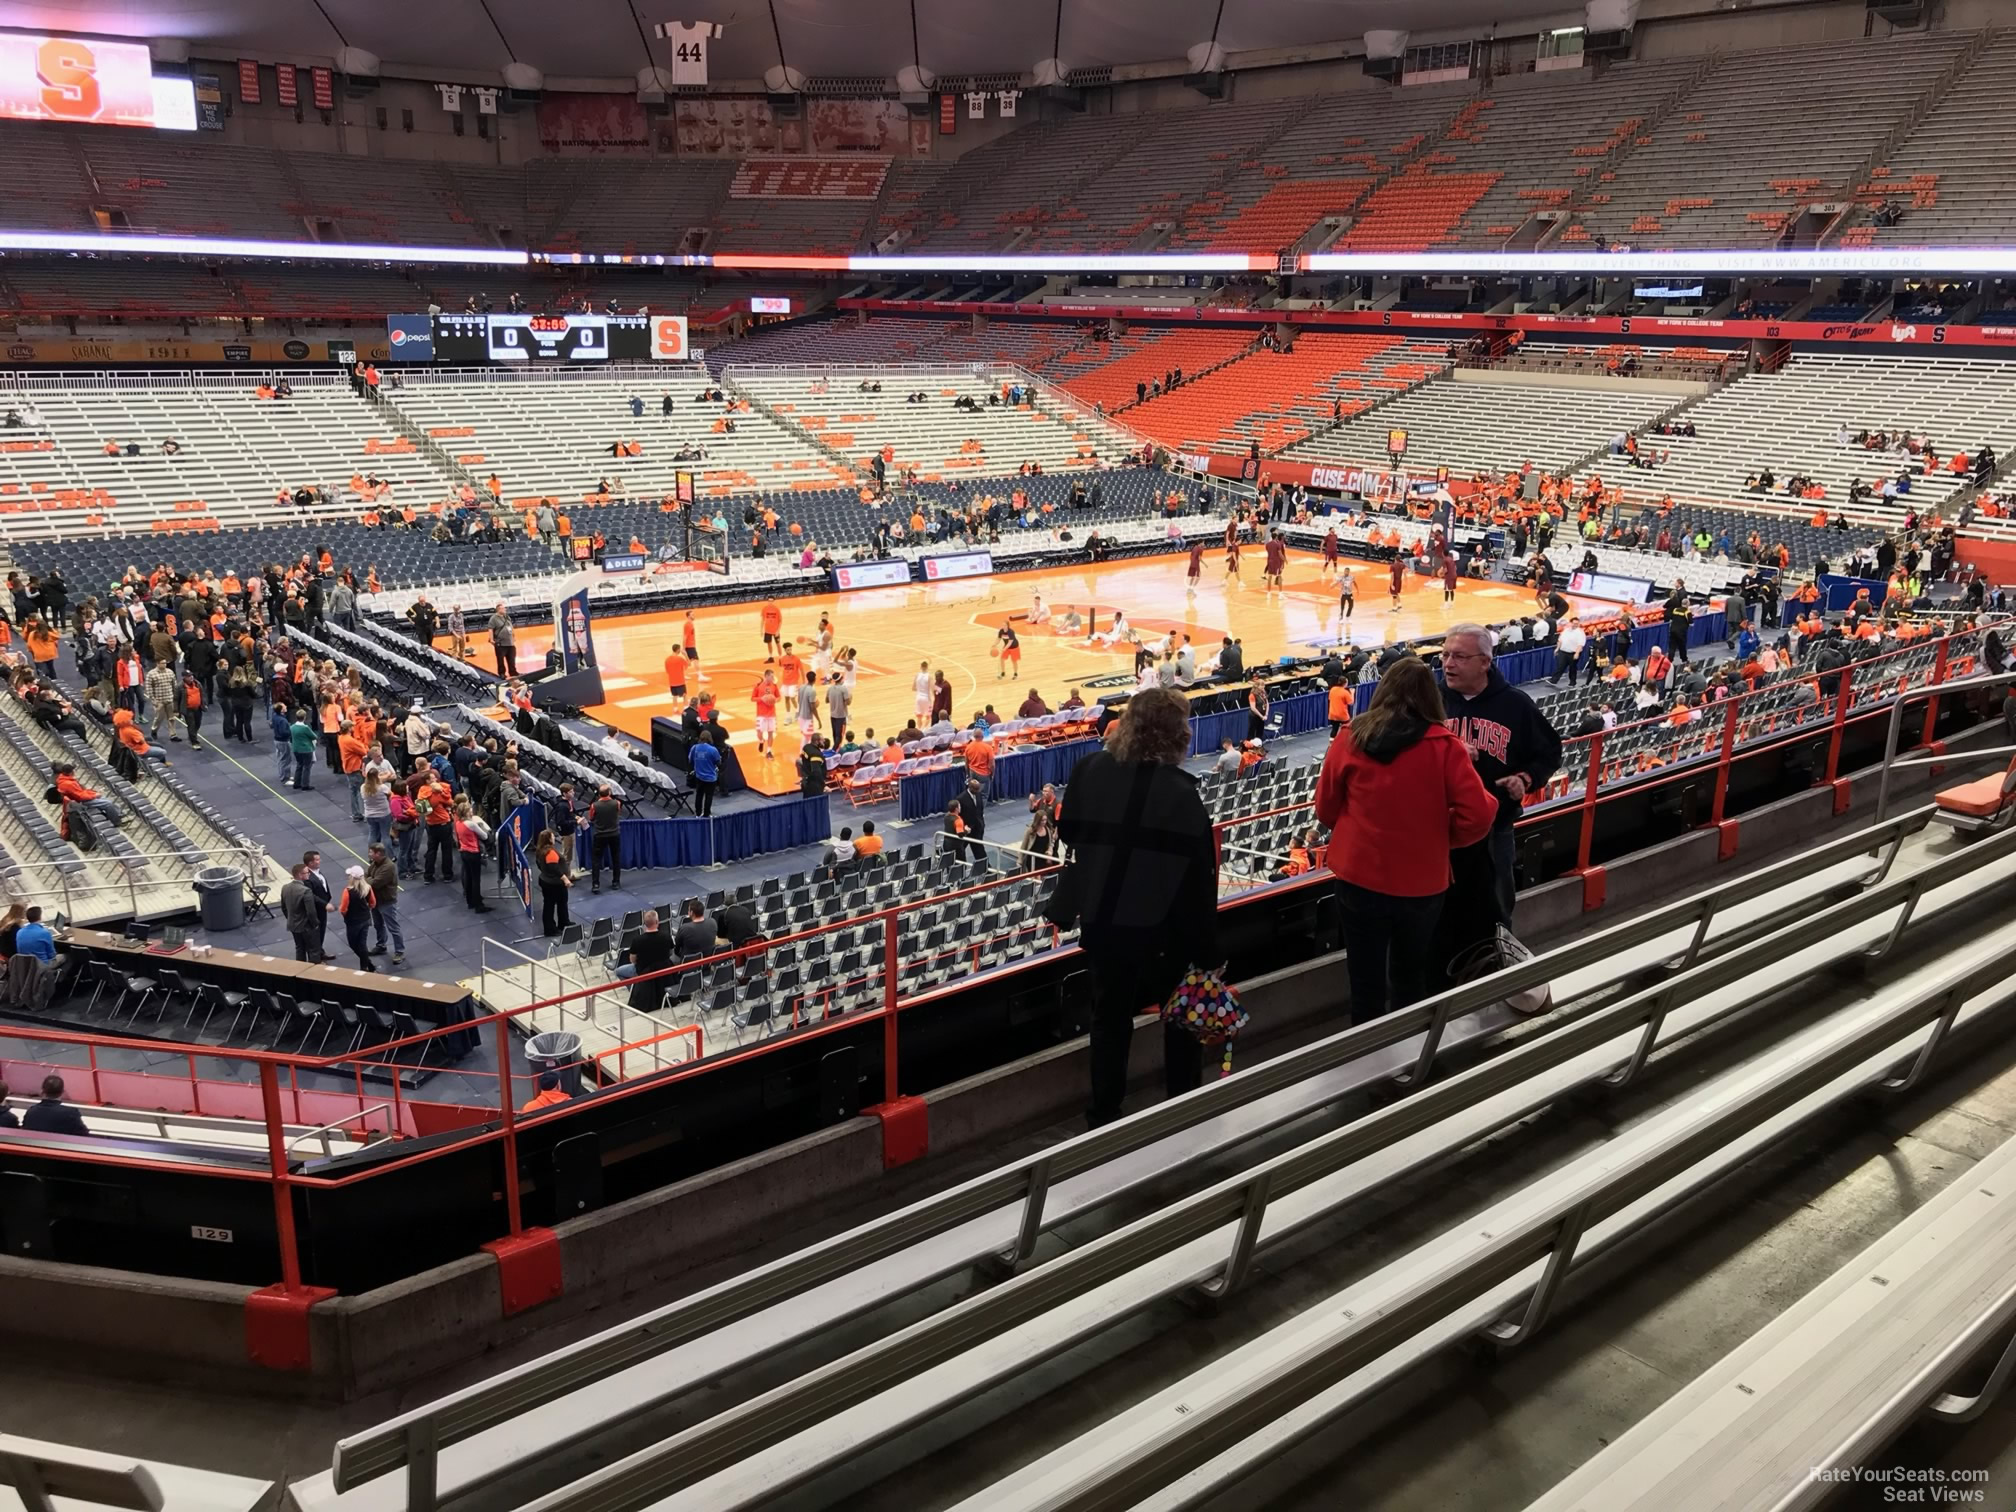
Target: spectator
<point>554,881</point>
<point>696,935</point>
<point>869,844</point>
<point>302,914</point>
<point>548,1095</point>
<point>469,833</point>
<point>1399,793</point>
<point>703,775</point>
<point>971,801</point>
<point>383,876</point>
<point>649,955</point>
<point>605,836</point>
<point>1144,875</point>
<point>1516,751</point>
<point>52,1115</point>
<point>34,939</point>
<point>356,903</point>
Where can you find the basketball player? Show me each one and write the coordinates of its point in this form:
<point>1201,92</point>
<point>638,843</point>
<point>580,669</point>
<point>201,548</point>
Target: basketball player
<point>1121,631</point>
<point>764,695</point>
<point>920,685</point>
<point>1399,581</point>
<point>1039,613</point>
<point>1232,564</point>
<point>773,629</point>
<point>1347,598</point>
<point>790,671</point>
<point>1329,563</point>
<point>808,710</point>
<point>689,635</point>
<point>1276,565</point>
<point>1196,571</point>
<point>1449,570</point>
<point>1009,649</point>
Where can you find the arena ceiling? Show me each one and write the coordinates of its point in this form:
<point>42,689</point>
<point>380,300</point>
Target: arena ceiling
<point>611,39</point>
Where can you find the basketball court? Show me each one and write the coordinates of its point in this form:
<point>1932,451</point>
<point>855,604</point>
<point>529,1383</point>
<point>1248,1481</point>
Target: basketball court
<point>952,626</point>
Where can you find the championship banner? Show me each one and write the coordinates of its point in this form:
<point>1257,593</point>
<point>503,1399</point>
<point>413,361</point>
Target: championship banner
<point>248,81</point>
<point>324,83</point>
<point>284,88</point>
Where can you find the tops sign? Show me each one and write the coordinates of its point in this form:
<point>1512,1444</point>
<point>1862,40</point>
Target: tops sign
<point>809,178</point>
<point>46,78</point>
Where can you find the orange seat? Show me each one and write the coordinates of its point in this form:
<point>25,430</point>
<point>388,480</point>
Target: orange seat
<point>1983,798</point>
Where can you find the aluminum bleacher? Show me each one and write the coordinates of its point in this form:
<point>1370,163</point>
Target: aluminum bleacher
<point>1710,177</point>
<point>1953,186</point>
<point>1276,398</point>
<point>939,440</point>
<point>1688,967</point>
<point>236,453</point>
<point>1472,427</point>
<point>548,435</point>
<point>1793,422</point>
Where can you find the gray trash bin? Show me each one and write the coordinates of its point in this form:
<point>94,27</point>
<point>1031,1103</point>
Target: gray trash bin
<point>220,897</point>
<point>557,1050</point>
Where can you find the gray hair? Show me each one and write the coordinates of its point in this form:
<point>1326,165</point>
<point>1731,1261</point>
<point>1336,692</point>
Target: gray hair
<point>1485,638</point>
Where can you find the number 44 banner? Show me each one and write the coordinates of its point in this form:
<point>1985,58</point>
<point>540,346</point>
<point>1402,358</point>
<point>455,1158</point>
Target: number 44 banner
<point>689,45</point>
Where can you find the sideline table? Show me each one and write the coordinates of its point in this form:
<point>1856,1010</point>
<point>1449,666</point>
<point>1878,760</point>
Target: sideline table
<point>435,1004</point>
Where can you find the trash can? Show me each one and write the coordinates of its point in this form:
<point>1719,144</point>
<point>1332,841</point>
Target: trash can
<point>557,1050</point>
<point>220,897</point>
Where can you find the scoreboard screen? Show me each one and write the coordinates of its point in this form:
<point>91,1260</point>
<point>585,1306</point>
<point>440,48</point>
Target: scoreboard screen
<point>529,338</point>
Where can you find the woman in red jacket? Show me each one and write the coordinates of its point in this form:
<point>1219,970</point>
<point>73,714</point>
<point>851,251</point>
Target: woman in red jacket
<point>1398,793</point>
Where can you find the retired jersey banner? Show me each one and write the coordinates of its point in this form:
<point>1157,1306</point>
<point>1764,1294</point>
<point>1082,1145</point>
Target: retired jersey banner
<point>809,178</point>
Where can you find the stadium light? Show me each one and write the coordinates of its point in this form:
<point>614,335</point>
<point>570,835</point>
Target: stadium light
<point>216,246</point>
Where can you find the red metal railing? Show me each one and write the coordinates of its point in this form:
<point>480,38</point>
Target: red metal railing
<point>270,1086</point>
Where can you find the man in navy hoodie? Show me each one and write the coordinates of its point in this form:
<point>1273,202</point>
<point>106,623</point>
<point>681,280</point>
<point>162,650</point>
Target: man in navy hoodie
<point>1516,751</point>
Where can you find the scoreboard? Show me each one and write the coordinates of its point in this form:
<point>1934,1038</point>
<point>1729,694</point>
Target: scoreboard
<point>525,337</point>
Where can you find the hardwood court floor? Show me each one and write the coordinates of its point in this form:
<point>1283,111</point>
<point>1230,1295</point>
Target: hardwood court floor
<point>952,626</point>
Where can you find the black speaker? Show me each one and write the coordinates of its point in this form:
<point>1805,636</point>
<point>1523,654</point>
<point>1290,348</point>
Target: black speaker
<point>839,1085</point>
<point>24,1216</point>
<point>577,1176</point>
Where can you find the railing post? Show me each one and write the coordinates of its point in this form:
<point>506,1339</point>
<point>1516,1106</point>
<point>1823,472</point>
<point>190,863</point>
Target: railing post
<point>510,1115</point>
<point>283,1194</point>
<point>1585,841</point>
<point>1722,762</point>
<point>891,1083</point>
<point>1939,675</point>
<point>1840,724</point>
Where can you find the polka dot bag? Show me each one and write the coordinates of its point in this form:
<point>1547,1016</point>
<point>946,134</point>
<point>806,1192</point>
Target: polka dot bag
<point>1207,1006</point>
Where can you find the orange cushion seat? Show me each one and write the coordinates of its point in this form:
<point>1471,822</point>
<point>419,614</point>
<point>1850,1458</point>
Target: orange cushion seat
<point>1982,798</point>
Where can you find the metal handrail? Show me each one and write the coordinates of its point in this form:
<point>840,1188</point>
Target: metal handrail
<point>330,1128</point>
<point>414,1439</point>
<point>1550,1232</point>
<point>680,1461</point>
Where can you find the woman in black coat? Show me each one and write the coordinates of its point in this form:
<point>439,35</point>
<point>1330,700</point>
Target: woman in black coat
<point>553,884</point>
<point>1143,885</point>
